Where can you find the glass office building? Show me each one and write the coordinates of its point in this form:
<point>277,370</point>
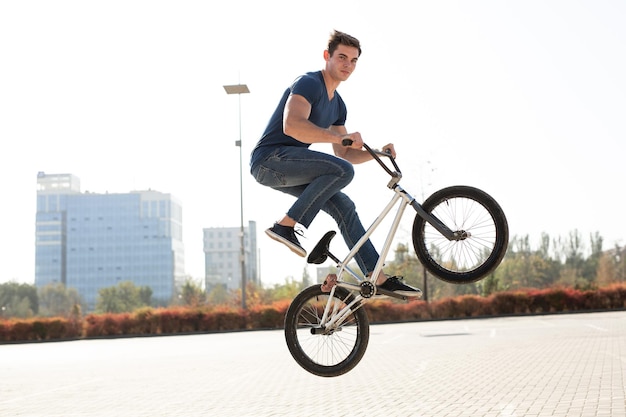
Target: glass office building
<point>90,241</point>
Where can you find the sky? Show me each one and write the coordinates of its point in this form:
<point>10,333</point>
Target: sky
<point>525,100</point>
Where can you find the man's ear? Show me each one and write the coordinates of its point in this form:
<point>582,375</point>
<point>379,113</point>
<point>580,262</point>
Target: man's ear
<point>326,55</point>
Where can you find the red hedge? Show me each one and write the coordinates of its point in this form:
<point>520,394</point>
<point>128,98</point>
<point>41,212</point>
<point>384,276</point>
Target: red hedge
<point>148,321</point>
<point>41,328</point>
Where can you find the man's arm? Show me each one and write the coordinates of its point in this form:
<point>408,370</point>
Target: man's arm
<point>350,153</point>
<point>297,125</point>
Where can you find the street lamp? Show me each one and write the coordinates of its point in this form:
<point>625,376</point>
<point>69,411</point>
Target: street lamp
<point>240,89</point>
<point>425,275</point>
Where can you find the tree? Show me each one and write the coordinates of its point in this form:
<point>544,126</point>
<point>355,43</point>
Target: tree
<point>18,300</point>
<point>620,263</point>
<point>306,278</point>
<point>489,284</point>
<point>125,297</point>
<point>409,267</point>
<point>191,294</point>
<point>578,271</point>
<point>145,295</point>
<point>217,295</point>
<point>611,266</point>
<point>286,291</point>
<point>57,300</point>
<point>590,265</point>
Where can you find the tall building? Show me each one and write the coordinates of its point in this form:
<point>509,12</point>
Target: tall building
<point>90,241</point>
<point>222,251</point>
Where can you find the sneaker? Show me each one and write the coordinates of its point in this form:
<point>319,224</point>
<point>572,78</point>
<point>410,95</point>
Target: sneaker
<point>393,284</point>
<point>287,236</point>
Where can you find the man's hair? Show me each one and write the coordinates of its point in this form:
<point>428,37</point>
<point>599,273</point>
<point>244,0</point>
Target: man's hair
<point>339,38</point>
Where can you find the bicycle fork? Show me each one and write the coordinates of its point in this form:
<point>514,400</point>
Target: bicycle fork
<point>332,320</point>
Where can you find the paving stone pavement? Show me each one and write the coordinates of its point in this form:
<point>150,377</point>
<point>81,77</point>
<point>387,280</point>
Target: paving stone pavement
<point>554,365</point>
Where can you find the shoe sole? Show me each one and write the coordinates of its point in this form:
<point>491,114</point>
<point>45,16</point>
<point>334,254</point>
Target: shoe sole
<point>410,294</point>
<point>417,293</point>
<point>407,294</point>
<point>295,249</point>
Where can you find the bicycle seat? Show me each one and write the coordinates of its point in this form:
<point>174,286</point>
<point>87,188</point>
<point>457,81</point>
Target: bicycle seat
<point>320,252</point>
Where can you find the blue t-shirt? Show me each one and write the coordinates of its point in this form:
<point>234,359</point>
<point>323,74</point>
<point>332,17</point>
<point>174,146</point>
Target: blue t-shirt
<point>324,113</point>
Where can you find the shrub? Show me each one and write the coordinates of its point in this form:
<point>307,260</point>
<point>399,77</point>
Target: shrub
<point>146,321</point>
<point>106,324</point>
<point>187,320</point>
<point>229,319</point>
<point>224,318</point>
<point>22,330</point>
<point>384,311</point>
<point>4,330</point>
<point>504,303</point>
<point>538,303</point>
<point>268,317</point>
<point>167,321</point>
<point>39,329</point>
<point>416,310</point>
<point>472,306</point>
<point>557,300</point>
<point>444,309</point>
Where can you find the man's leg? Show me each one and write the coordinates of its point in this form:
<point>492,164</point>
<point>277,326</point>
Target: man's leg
<point>342,209</point>
<point>312,177</point>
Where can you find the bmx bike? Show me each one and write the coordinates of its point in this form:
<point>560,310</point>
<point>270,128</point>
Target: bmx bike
<point>460,235</point>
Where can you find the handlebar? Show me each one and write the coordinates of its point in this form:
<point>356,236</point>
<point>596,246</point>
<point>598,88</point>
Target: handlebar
<point>376,154</point>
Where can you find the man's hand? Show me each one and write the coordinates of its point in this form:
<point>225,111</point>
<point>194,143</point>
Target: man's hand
<point>357,141</point>
<point>390,149</point>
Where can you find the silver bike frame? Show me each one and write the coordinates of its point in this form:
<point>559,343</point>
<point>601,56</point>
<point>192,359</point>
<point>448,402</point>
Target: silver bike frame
<point>337,317</point>
<point>399,194</point>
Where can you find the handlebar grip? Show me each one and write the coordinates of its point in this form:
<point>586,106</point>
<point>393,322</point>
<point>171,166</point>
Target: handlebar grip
<point>346,142</point>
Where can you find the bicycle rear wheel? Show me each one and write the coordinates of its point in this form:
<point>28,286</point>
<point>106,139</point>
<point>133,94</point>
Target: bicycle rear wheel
<point>325,351</point>
<point>480,221</point>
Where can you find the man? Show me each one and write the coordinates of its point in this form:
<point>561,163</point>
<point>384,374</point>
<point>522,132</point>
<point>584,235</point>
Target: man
<point>311,111</point>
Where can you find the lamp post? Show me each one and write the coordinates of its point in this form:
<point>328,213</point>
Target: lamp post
<point>425,275</point>
<point>240,89</point>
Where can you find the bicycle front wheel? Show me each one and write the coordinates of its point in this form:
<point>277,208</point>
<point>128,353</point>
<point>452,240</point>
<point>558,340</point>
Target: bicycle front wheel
<point>479,221</point>
<point>325,351</point>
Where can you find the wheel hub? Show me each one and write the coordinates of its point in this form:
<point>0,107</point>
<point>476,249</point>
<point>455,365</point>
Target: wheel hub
<point>324,331</point>
<point>462,234</point>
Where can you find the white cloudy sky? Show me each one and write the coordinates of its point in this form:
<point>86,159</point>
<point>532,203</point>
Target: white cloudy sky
<point>526,100</point>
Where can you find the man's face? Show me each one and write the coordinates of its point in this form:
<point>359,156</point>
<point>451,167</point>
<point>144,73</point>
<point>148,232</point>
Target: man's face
<point>343,61</point>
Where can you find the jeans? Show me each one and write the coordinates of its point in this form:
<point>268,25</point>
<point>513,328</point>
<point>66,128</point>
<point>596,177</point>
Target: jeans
<point>316,180</point>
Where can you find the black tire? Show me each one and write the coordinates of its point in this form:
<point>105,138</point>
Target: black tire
<point>331,352</point>
<point>468,209</point>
